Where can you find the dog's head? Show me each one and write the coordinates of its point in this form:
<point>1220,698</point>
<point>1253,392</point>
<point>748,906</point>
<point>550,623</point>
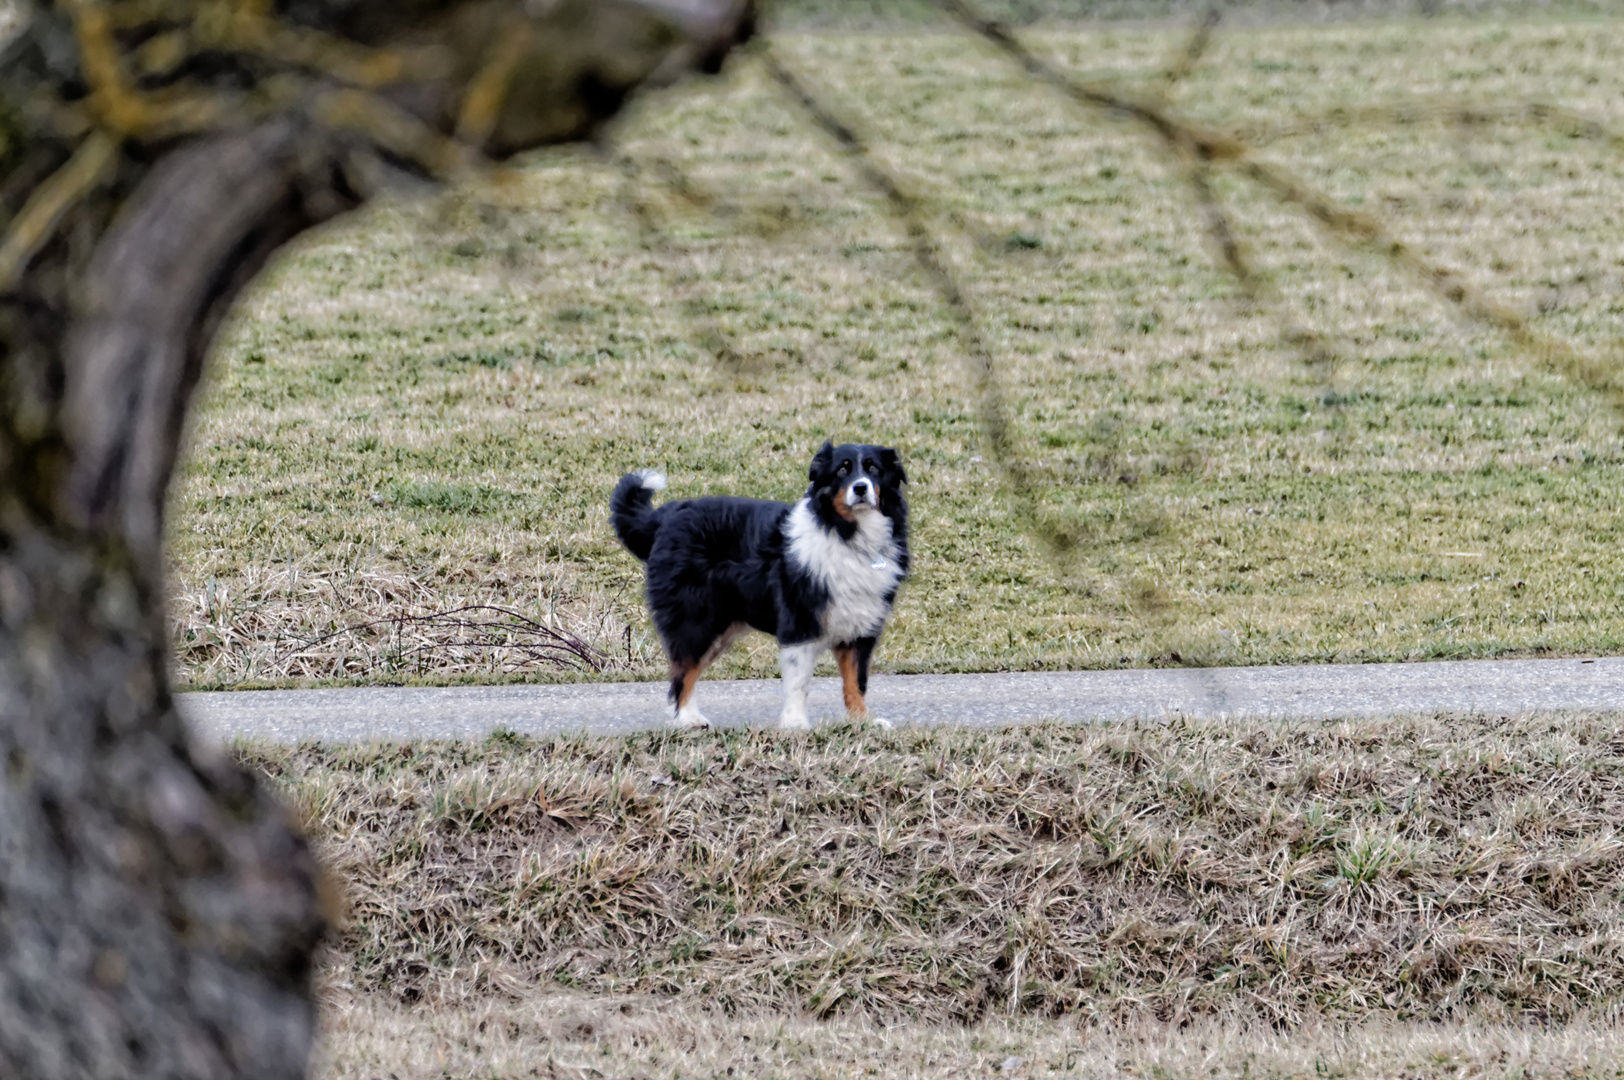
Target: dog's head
<point>853,479</point>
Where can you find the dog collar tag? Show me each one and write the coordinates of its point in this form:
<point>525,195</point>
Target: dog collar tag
<point>877,564</point>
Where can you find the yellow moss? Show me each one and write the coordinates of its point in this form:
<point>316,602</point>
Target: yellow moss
<point>33,225</point>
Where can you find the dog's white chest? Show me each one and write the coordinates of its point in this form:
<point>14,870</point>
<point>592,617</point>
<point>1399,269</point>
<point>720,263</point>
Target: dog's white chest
<point>858,574</point>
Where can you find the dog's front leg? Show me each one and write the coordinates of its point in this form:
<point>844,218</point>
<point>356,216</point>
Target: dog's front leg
<point>851,682</point>
<point>795,662</point>
<point>853,663</point>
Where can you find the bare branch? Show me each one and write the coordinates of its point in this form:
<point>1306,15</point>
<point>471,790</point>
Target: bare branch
<point>1187,58</point>
<point>1194,142</point>
<point>1222,231</point>
<point>907,208</point>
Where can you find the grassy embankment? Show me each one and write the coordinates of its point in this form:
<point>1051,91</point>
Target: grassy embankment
<point>1377,896</point>
<point>425,406</point>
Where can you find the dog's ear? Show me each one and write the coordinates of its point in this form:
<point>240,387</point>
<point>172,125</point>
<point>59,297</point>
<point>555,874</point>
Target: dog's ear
<point>823,462</point>
<point>892,464</point>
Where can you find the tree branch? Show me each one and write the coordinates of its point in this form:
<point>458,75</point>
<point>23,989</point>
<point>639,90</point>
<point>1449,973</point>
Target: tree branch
<point>157,915</point>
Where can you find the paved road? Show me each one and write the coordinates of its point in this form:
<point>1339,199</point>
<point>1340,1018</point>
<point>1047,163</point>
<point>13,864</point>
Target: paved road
<point>1504,686</point>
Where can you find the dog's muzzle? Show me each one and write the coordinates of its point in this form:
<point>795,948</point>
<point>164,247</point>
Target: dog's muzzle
<point>862,493</point>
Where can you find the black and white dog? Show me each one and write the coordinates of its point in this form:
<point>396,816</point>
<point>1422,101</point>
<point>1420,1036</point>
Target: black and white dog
<point>821,573</point>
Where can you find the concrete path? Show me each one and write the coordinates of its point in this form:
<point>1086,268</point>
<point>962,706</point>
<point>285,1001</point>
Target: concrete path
<point>1498,686</point>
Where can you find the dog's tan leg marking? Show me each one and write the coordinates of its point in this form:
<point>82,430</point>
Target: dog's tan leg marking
<point>846,660</point>
<point>689,678</point>
<point>683,713</point>
<point>684,676</point>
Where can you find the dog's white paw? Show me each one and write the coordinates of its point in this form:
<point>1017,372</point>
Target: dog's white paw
<point>794,722</point>
<point>689,719</point>
<point>880,722</point>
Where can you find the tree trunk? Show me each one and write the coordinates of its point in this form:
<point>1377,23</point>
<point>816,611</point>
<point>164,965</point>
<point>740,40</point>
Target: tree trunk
<point>157,912</point>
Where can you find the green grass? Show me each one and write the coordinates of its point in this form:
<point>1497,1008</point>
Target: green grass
<point>1452,873</point>
<point>425,406</point>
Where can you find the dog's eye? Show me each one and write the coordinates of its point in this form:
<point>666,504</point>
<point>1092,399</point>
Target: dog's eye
<point>872,468</point>
<point>845,467</point>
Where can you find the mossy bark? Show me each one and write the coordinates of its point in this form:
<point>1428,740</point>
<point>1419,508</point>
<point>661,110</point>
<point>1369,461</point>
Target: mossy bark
<point>158,913</point>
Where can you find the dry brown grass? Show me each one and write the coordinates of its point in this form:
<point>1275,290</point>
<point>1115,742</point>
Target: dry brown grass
<point>1427,868</point>
<point>571,1035</point>
<point>381,623</point>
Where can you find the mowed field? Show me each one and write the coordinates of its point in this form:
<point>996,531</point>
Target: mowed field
<point>424,407</point>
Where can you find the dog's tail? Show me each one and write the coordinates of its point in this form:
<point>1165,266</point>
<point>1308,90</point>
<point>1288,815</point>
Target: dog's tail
<point>631,510</point>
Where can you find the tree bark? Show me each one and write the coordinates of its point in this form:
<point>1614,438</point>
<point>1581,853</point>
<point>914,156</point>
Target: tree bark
<point>158,913</point>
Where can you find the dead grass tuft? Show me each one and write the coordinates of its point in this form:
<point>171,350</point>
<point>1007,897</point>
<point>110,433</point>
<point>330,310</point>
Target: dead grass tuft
<point>1429,868</point>
<point>272,624</point>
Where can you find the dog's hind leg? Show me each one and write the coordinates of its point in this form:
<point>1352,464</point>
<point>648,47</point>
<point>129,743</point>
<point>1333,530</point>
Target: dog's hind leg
<point>684,713</point>
<point>796,663</point>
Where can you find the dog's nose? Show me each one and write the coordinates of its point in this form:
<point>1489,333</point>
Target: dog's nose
<point>860,488</point>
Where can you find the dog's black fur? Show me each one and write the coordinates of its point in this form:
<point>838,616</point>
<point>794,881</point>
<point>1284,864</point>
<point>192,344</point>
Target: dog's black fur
<point>716,563</point>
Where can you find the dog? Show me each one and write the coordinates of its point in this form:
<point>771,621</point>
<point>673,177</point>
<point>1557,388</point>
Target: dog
<point>820,573</point>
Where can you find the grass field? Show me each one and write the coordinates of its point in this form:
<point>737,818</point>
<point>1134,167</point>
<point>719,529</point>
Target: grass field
<point>424,407</point>
<point>1423,896</point>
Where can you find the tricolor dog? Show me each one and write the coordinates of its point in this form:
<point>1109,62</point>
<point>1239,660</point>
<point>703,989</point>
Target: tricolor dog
<point>820,573</point>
